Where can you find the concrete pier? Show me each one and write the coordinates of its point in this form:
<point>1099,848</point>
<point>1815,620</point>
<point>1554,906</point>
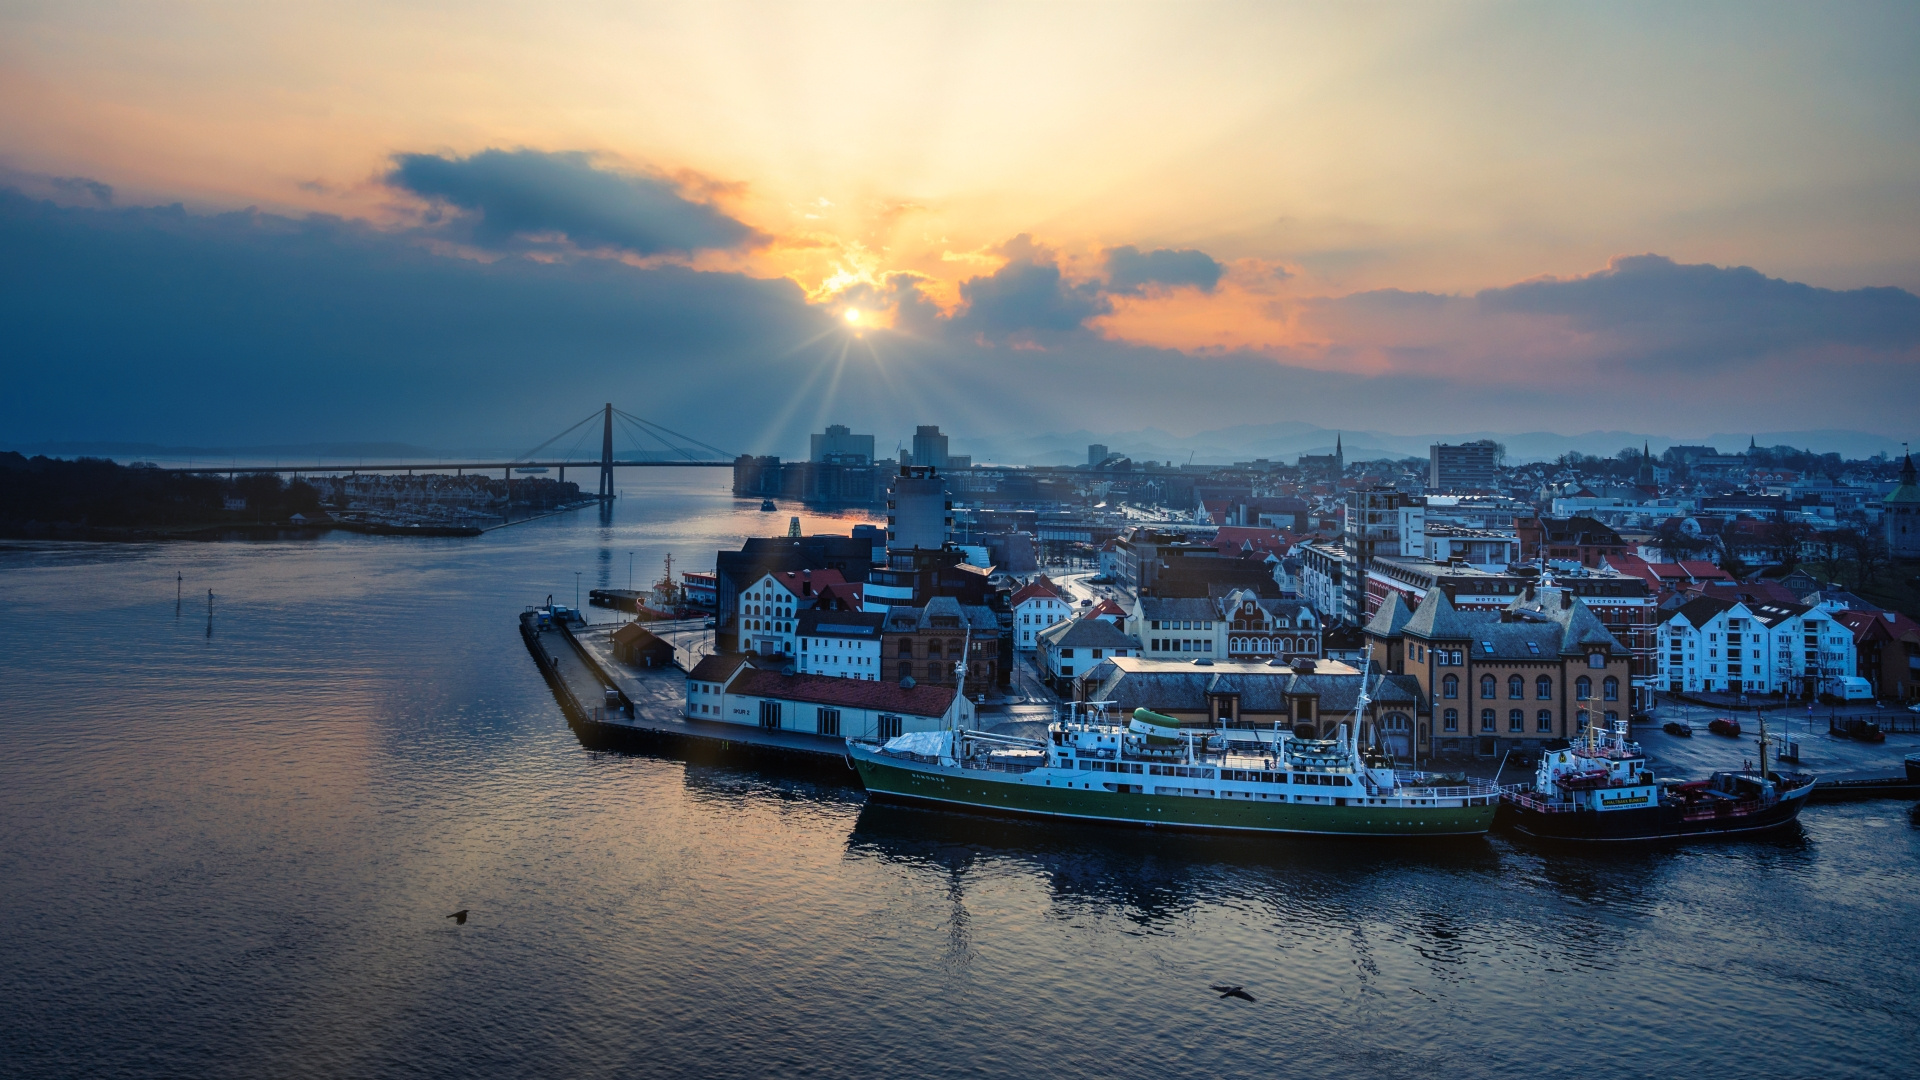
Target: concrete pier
<point>646,710</point>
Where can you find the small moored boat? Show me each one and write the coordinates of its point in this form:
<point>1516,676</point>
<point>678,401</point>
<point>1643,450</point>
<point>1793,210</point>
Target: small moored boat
<point>1603,788</point>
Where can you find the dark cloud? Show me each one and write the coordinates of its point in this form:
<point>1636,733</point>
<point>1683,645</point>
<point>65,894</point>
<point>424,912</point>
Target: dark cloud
<point>83,186</point>
<point>1131,271</point>
<point>513,197</point>
<point>157,324</point>
<point>1661,311</point>
<point>1027,299</point>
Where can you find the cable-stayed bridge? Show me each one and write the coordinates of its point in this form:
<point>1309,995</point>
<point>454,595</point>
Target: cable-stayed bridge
<point>674,450</point>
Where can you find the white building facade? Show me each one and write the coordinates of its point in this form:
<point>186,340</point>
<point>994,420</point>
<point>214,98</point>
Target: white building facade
<point>841,644</point>
<point>1036,606</point>
<point>1713,645</point>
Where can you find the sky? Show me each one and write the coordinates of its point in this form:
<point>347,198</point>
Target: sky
<point>464,225</point>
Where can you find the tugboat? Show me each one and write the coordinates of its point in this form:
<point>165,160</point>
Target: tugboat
<point>1158,770</point>
<point>1603,788</point>
<point>767,506</point>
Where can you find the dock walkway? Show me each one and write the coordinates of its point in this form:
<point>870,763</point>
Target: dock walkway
<point>578,662</point>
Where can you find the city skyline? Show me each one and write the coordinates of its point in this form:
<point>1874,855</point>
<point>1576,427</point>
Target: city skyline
<point>231,226</point>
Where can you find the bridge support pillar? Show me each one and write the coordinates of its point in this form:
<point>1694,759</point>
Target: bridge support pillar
<point>606,456</point>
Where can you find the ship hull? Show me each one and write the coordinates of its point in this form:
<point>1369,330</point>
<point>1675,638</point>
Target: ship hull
<point>953,788</point>
<point>1664,822</point>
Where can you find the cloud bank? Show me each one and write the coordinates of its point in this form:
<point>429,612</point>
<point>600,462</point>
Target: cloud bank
<point>159,324</point>
<point>517,198</point>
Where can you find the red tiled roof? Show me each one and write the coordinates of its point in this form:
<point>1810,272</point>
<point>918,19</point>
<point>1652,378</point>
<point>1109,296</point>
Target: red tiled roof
<point>1038,588</point>
<point>917,700</point>
<point>1871,624</point>
<point>1700,568</point>
<point>1232,538</point>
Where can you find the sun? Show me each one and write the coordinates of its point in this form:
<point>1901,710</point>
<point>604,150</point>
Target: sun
<point>853,316</point>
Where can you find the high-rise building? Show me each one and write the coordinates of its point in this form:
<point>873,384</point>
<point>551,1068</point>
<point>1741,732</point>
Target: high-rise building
<point>1380,521</point>
<point>1467,467</point>
<point>1096,453</point>
<point>929,447</point>
<point>839,446</point>
<point>919,511</point>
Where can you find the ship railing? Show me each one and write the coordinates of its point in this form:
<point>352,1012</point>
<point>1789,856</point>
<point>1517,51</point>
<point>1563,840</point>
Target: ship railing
<point>997,766</point>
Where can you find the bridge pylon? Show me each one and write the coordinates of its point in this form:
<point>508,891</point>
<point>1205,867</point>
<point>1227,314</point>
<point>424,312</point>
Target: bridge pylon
<point>606,456</point>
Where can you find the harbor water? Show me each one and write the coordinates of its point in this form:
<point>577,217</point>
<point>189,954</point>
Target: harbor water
<point>229,846</point>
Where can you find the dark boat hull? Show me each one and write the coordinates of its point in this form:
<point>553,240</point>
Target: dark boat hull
<point>1663,822</point>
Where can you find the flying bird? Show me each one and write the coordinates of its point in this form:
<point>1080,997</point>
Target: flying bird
<point>459,917</point>
<point>1232,992</point>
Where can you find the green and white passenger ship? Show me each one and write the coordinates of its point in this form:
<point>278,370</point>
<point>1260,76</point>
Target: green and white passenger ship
<point>1157,770</point>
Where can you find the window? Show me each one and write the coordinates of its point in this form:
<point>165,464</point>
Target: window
<point>1066,654</point>
<point>906,671</point>
<point>889,727</point>
<point>1596,660</point>
<point>1533,648</point>
<point>1486,719</point>
<point>1543,688</point>
<point>770,715</point>
<point>1516,720</point>
<point>1543,722</point>
<point>1610,689</point>
<point>1488,688</point>
<point>827,721</point>
<point>1582,688</point>
<point>1451,719</point>
<point>1098,653</point>
<point>1450,686</point>
<point>1156,624</point>
<point>1455,655</point>
<point>1486,648</point>
<point>1516,688</point>
<point>1612,718</point>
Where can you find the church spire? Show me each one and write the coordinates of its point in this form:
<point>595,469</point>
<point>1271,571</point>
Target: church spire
<point>1906,468</point>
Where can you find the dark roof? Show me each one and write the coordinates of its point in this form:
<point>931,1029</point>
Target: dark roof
<point>634,632</point>
<point>921,699</point>
<point>1391,618</point>
<point>1551,622</point>
<point>1578,530</point>
<point>1701,611</point>
<point>1436,619</point>
<point>716,667</point>
<point>1771,614</point>
<point>1088,633</point>
<point>1187,689</point>
<point>1186,608</point>
<point>853,624</point>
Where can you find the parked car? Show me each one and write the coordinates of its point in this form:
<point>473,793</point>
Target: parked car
<point>1678,727</point>
<point>1725,725</point>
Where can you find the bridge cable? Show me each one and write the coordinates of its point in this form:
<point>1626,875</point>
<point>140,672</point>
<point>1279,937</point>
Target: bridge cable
<point>723,455</point>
